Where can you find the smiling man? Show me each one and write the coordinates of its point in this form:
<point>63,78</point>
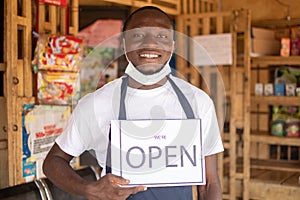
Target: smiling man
<point>147,91</point>
<point>148,44</point>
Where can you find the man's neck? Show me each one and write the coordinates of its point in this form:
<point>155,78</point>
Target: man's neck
<point>134,84</point>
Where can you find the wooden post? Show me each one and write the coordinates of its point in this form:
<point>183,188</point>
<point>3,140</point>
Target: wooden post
<point>18,79</point>
<point>18,88</point>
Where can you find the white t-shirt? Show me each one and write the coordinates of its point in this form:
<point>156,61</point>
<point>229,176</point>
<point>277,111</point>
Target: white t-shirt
<point>88,126</point>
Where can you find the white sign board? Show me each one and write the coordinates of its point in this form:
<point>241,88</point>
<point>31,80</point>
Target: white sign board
<point>214,49</point>
<point>158,152</point>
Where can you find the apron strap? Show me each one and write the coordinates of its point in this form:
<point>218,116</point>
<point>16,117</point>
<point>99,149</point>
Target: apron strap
<point>122,111</point>
<point>186,106</point>
<point>122,116</point>
<point>108,154</point>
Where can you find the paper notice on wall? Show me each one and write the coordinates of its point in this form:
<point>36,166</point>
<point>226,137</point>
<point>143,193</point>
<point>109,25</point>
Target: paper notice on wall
<point>214,49</point>
<point>41,125</point>
<point>44,124</point>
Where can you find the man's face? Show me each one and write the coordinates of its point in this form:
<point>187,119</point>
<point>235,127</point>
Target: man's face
<point>149,41</point>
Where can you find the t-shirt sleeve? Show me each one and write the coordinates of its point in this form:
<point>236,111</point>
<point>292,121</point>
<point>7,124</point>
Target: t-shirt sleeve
<point>76,136</point>
<point>212,142</point>
<point>70,141</point>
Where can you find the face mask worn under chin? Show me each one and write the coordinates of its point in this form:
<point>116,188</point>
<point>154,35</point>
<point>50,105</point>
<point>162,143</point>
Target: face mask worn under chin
<point>143,78</point>
<point>147,79</point>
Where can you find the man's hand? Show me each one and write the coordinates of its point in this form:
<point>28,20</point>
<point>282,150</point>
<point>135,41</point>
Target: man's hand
<point>109,187</point>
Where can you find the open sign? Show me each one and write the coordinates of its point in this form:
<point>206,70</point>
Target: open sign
<point>158,152</point>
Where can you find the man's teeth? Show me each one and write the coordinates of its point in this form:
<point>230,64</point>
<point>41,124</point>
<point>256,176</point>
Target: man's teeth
<point>148,55</point>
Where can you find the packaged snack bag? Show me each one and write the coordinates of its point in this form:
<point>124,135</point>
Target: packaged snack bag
<point>58,87</point>
<point>62,53</point>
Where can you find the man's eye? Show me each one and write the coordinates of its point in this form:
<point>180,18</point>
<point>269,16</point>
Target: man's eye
<point>161,36</point>
<point>138,35</point>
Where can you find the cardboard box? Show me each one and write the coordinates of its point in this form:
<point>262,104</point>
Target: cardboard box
<point>262,33</point>
<point>263,42</point>
<point>265,46</point>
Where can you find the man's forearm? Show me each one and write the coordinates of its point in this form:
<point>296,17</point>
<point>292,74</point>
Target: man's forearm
<point>210,192</point>
<point>57,168</point>
<point>61,174</point>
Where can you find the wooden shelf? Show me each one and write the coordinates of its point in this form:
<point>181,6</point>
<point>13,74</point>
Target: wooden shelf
<point>265,137</point>
<point>276,60</point>
<point>278,165</point>
<point>276,23</point>
<point>276,100</point>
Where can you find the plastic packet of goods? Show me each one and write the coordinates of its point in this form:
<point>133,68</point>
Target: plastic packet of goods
<point>58,87</point>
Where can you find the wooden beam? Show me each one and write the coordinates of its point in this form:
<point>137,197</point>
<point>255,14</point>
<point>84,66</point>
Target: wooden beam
<point>2,67</point>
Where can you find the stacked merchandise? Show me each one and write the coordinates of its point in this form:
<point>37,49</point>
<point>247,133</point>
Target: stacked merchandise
<point>58,86</point>
<point>286,119</point>
<point>290,41</point>
<point>58,64</point>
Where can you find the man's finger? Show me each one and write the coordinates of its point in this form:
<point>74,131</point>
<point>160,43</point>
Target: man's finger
<point>138,189</point>
<point>131,190</point>
<point>118,180</point>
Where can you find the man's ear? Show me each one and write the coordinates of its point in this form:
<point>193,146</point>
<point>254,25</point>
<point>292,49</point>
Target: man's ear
<point>124,49</point>
<point>173,46</point>
<point>124,45</point>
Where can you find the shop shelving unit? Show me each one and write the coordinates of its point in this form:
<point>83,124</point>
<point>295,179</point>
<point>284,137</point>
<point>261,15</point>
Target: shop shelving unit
<point>280,173</point>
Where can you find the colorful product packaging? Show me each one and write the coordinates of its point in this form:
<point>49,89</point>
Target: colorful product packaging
<point>259,89</point>
<point>279,90</point>
<point>269,89</point>
<point>59,53</point>
<point>285,47</point>
<point>295,47</point>
<point>290,89</point>
<point>60,88</point>
<point>298,91</point>
<point>277,128</point>
<point>292,128</point>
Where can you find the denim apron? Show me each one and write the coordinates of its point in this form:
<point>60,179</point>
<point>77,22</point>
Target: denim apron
<point>156,193</point>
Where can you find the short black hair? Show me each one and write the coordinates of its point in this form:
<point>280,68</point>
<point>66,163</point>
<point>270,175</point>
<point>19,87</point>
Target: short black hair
<point>146,8</point>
